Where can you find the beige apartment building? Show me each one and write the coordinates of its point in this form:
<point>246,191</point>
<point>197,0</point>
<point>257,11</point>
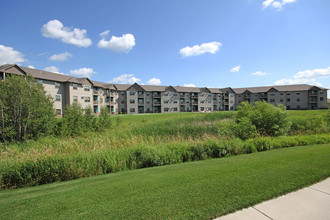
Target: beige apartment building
<point>136,99</point>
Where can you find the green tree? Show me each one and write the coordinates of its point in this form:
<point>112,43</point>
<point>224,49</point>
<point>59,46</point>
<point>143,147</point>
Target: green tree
<point>25,109</point>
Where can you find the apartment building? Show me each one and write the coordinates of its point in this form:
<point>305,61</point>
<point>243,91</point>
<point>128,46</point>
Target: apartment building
<point>135,98</point>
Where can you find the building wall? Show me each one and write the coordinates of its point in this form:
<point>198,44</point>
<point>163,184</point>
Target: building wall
<point>55,90</point>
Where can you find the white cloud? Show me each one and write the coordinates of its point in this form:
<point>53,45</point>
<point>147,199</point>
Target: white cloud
<point>124,43</point>
<point>60,57</point>
<point>55,29</point>
<point>31,66</point>
<point>125,79</point>
<point>105,34</point>
<point>276,4</point>
<point>83,72</point>
<point>154,81</point>
<point>189,85</point>
<point>10,56</point>
<point>312,73</point>
<point>236,68</point>
<point>259,73</point>
<point>297,81</point>
<point>52,69</point>
<point>306,77</point>
<point>196,50</point>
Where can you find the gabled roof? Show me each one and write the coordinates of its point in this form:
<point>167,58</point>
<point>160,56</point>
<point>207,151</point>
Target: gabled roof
<point>149,88</point>
<point>122,87</point>
<point>183,88</point>
<point>215,90</point>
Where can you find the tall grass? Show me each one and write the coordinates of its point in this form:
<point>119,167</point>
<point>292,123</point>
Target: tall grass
<point>137,141</point>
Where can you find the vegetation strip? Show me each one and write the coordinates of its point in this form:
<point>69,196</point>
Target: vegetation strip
<point>196,190</point>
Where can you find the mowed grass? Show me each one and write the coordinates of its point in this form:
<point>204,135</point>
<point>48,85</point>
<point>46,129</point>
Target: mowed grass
<point>194,190</point>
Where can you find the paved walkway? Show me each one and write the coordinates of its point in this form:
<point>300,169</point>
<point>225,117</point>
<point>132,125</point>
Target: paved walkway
<point>312,202</point>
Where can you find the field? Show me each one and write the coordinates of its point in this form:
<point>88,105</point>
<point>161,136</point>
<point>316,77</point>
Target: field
<point>194,190</point>
<point>139,141</point>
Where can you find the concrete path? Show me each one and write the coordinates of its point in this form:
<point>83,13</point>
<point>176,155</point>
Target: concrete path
<point>312,202</point>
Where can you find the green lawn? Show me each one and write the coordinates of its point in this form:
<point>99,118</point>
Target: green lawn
<point>195,190</point>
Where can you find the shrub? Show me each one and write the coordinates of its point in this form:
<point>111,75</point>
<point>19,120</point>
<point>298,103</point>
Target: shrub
<point>268,119</point>
<point>73,121</point>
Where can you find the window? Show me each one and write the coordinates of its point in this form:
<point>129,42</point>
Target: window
<point>281,100</point>
<point>175,94</point>
<point>75,86</point>
<point>298,93</point>
<point>148,101</point>
<point>272,94</point>
<point>175,101</point>
<point>321,98</point>
<point>231,101</point>
<point>40,81</point>
<point>288,93</point>
<point>298,106</point>
<point>298,99</point>
<point>132,101</point>
<point>148,109</point>
<point>165,93</point>
<point>288,99</point>
<point>58,98</point>
<point>58,111</point>
<point>122,93</point>
<point>321,92</point>
<point>209,95</point>
<point>87,88</point>
<point>148,93</point>
<point>75,98</point>
<point>166,101</point>
<point>87,99</point>
<point>281,93</point>
<point>239,96</point>
<point>231,95</point>
<point>132,109</point>
<point>122,102</point>
<point>187,101</point>
<point>57,85</point>
<point>140,93</point>
<point>175,109</point>
<point>272,100</point>
<point>166,109</point>
<point>131,92</point>
<point>202,108</point>
<point>202,101</point>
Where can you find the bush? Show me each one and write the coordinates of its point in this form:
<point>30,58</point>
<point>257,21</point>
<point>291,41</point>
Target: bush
<point>268,119</point>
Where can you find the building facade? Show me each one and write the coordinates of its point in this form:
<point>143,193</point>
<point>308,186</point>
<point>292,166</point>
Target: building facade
<point>135,99</point>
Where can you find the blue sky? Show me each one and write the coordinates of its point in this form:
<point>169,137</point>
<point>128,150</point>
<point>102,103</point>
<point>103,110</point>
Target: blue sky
<point>213,43</point>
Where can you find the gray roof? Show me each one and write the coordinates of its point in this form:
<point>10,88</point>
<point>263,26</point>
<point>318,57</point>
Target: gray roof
<point>45,75</point>
<point>284,88</point>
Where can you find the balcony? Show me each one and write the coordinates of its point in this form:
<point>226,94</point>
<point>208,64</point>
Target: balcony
<point>156,103</point>
<point>95,91</point>
<point>156,95</point>
<point>140,103</point>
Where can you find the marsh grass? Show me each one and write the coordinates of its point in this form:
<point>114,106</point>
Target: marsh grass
<point>137,141</point>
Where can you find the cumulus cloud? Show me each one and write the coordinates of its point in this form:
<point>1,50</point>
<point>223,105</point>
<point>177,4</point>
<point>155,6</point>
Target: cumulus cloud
<point>276,4</point>
<point>196,50</point>
<point>154,81</point>
<point>31,66</point>
<point>56,30</point>
<point>52,69</point>
<point>124,43</point>
<point>189,85</point>
<point>306,76</point>
<point>60,57</point>
<point>313,73</point>
<point>83,72</point>
<point>297,81</point>
<point>236,68</point>
<point>125,79</point>
<point>259,73</point>
<point>10,56</point>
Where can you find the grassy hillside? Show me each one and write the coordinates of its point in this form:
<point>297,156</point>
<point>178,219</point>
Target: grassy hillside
<point>195,190</point>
